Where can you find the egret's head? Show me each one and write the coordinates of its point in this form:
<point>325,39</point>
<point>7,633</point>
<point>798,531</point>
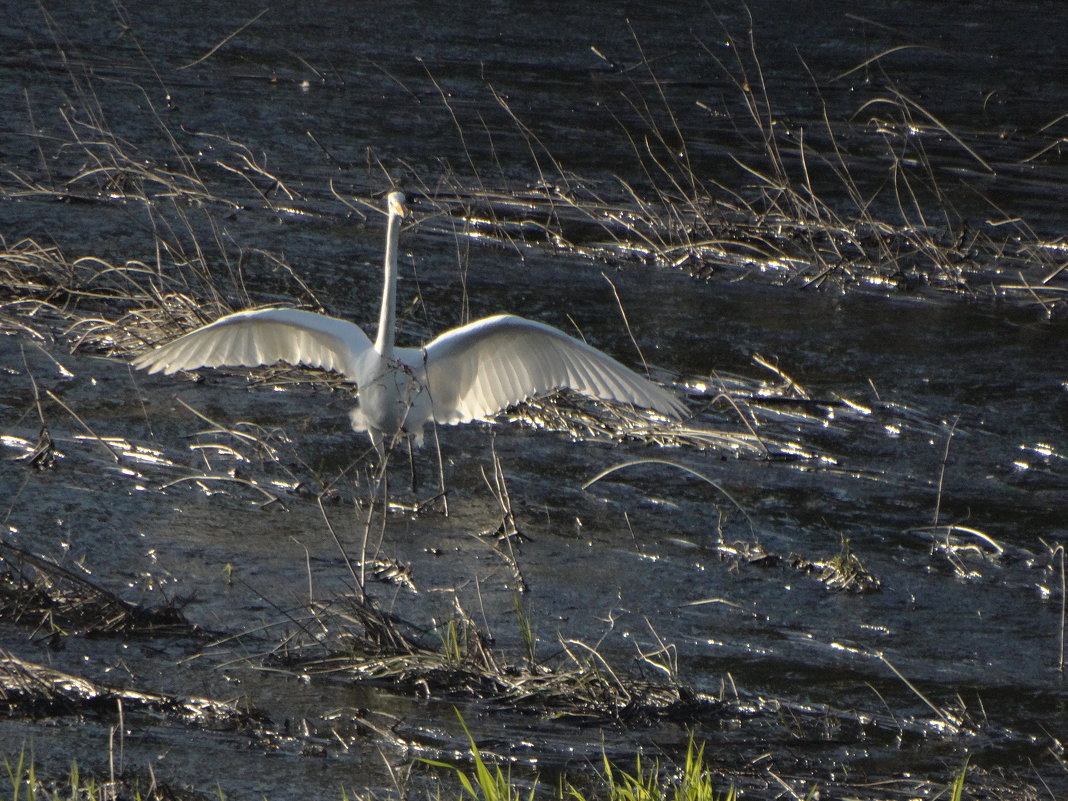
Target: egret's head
<point>395,203</point>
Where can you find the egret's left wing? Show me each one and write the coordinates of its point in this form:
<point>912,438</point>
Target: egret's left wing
<point>483,367</point>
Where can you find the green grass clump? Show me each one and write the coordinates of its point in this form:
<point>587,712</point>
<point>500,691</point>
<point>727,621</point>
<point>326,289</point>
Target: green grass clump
<point>25,785</point>
<point>485,784</point>
<point>956,788</point>
<point>694,783</point>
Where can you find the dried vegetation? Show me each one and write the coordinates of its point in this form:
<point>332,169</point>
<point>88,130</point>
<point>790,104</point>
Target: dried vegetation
<point>55,601</point>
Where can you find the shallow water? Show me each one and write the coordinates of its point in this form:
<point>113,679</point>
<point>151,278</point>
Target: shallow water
<point>919,403</point>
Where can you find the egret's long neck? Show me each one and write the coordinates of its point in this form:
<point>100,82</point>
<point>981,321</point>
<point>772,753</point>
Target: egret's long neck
<point>387,318</point>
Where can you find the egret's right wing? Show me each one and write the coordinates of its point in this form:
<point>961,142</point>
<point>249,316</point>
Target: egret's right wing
<point>264,336</point>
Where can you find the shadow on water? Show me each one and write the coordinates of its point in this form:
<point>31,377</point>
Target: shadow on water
<point>865,585</point>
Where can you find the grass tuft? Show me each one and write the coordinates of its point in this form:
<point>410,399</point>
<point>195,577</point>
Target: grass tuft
<point>690,781</point>
<point>485,783</point>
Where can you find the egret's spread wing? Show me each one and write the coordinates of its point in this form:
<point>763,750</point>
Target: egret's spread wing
<point>265,336</point>
<point>481,368</point>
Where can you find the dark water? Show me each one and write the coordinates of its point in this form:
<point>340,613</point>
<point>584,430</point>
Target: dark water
<point>920,403</point>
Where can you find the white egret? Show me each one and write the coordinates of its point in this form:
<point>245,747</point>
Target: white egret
<point>470,372</point>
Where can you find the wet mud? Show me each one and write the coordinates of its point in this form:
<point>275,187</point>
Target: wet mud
<point>843,249</point>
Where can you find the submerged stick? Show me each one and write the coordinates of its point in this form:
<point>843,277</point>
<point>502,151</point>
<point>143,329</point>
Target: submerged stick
<point>942,470</point>
<point>83,424</point>
<point>942,715</point>
<point>225,39</point>
<point>682,467</point>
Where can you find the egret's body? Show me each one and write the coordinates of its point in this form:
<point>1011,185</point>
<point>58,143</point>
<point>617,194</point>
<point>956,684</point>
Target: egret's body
<point>469,372</point>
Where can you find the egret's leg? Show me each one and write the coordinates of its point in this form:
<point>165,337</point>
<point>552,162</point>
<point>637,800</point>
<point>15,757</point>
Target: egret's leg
<point>411,464</point>
<point>378,439</point>
<point>379,442</point>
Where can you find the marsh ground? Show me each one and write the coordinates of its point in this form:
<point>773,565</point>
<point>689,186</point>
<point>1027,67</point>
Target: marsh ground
<point>835,230</point>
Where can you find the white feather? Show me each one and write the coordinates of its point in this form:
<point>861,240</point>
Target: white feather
<point>470,372</point>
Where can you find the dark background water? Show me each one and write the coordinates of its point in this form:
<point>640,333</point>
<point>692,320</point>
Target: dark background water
<point>350,98</point>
